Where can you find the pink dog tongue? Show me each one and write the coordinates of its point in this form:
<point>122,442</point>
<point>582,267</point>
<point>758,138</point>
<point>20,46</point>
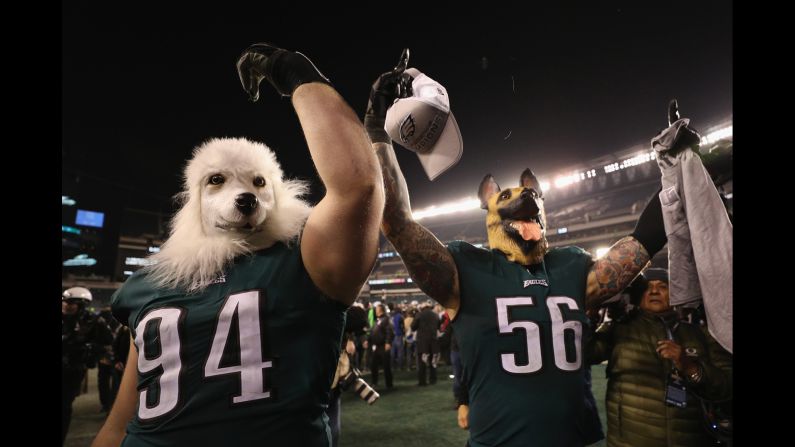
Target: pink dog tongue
<point>530,231</point>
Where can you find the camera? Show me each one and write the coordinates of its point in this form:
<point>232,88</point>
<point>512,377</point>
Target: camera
<point>353,381</point>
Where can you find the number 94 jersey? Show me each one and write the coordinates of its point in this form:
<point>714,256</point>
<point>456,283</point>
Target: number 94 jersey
<point>520,332</point>
<point>248,361</point>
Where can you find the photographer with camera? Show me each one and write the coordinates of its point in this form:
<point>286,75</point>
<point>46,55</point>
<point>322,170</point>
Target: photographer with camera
<point>346,378</point>
<point>85,338</point>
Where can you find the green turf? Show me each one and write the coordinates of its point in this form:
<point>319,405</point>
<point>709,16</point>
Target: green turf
<point>413,416</point>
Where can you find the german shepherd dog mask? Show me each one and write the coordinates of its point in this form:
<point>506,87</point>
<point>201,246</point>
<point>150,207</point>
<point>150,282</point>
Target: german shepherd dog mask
<point>516,222</point>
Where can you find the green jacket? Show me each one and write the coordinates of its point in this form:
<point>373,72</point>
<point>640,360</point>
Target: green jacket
<point>637,415</point>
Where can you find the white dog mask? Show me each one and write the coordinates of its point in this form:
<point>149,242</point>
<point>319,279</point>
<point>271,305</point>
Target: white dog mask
<point>234,201</point>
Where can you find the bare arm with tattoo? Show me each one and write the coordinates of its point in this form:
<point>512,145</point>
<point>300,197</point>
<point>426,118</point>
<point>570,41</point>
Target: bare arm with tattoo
<point>427,260</point>
<point>615,270</point>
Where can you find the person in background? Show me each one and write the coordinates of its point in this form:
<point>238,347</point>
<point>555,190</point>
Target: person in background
<point>85,338</point>
<point>379,345</point>
<point>426,323</point>
<point>397,353</point>
<point>659,369</point>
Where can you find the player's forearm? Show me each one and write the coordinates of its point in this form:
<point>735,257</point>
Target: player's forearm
<point>113,431</point>
<point>627,257</point>
<point>337,141</point>
<point>397,206</point>
<point>427,260</point>
<point>616,270</point>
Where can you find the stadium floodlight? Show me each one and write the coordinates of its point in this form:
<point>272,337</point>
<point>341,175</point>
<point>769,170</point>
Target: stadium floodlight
<point>544,185</point>
<point>566,180</point>
<point>375,282</point>
<point>637,160</point>
<point>719,134</point>
<point>601,251</point>
<point>447,208</point>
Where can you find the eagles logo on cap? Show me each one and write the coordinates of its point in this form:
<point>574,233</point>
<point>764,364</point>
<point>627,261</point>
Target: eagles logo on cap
<point>407,128</point>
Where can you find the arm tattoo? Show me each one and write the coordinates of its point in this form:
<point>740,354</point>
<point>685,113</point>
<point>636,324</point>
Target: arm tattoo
<point>614,271</point>
<point>429,263</point>
<point>427,260</point>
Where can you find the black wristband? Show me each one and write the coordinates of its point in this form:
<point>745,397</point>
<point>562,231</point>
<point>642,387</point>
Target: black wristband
<point>290,69</point>
<point>650,229</point>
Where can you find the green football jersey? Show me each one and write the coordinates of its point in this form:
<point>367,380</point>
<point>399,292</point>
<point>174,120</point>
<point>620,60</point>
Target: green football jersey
<point>520,333</point>
<point>249,361</point>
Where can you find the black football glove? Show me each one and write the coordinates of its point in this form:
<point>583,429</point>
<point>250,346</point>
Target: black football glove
<point>687,137</point>
<point>385,90</point>
<point>284,69</point>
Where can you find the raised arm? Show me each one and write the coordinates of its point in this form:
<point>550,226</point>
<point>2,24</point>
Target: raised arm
<point>427,260</point>
<point>339,243</point>
<point>627,257</point>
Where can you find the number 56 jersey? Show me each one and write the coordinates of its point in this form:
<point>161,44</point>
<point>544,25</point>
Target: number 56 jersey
<point>520,332</point>
<point>247,361</point>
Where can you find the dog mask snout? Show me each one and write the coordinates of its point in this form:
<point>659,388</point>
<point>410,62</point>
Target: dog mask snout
<point>528,196</point>
<point>246,203</point>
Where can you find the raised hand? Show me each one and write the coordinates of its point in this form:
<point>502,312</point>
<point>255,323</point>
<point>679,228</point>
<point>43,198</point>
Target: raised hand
<point>687,136</point>
<point>673,112</point>
<point>284,69</point>
<point>390,86</point>
<point>669,349</point>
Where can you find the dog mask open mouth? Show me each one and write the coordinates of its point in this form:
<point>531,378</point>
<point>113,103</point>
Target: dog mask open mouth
<point>515,222</point>
<point>524,222</point>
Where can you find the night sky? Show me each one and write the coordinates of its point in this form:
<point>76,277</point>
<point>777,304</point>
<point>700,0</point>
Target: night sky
<point>530,87</point>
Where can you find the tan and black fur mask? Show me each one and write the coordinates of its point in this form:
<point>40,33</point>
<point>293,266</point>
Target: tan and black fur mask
<point>516,222</point>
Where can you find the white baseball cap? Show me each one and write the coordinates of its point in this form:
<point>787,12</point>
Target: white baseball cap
<point>424,123</point>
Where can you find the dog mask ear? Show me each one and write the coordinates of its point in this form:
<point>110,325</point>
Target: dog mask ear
<point>529,180</point>
<point>487,188</point>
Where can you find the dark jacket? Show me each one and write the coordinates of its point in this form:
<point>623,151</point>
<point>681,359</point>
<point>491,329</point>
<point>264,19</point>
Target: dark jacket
<point>121,344</point>
<point>85,338</point>
<point>426,323</point>
<point>637,415</point>
<point>382,332</point>
<point>356,322</point>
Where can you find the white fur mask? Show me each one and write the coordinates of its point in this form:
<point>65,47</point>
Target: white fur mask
<point>234,201</point>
